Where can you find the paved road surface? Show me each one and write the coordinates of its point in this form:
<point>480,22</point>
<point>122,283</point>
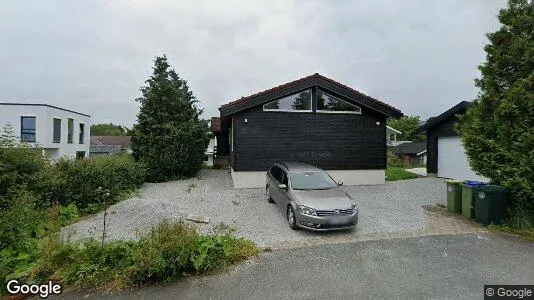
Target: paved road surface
<point>441,266</point>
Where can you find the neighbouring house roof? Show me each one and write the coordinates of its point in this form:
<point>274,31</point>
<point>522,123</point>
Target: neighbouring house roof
<point>458,108</point>
<point>215,124</point>
<point>108,140</point>
<point>47,105</point>
<point>305,83</point>
<point>412,148</point>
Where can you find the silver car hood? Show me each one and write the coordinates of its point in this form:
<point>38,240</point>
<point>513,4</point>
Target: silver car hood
<point>329,199</point>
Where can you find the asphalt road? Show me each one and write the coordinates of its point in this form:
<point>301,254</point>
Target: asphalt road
<point>453,266</point>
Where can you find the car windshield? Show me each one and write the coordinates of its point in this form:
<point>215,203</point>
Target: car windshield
<point>311,181</point>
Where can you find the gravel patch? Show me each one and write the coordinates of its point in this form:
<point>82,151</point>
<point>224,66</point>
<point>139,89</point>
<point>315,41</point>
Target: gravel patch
<point>395,206</point>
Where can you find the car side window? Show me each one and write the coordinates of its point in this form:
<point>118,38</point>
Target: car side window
<point>276,171</point>
<point>284,178</point>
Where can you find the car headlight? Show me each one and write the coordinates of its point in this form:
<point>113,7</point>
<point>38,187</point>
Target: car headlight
<point>354,208</point>
<point>306,210</point>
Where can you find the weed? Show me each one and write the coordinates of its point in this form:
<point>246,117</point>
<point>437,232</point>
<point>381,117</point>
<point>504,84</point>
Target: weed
<point>190,187</point>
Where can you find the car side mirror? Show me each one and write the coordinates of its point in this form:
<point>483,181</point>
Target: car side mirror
<point>282,186</point>
<point>340,183</point>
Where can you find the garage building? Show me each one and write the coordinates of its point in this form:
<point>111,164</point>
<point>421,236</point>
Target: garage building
<point>313,119</point>
<point>446,156</point>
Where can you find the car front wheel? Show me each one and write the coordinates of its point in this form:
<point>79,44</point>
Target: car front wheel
<point>291,219</point>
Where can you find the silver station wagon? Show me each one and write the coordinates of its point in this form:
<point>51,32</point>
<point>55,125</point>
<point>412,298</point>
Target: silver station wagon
<point>310,198</point>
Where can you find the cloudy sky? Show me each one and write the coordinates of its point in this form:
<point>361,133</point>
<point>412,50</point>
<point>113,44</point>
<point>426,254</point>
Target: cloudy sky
<point>93,56</point>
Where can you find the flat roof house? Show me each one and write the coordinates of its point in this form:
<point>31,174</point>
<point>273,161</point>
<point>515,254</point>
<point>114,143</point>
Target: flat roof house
<point>313,119</point>
<point>57,131</point>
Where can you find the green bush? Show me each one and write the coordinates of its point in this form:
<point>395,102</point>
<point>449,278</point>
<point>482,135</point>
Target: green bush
<point>20,228</point>
<point>395,161</point>
<point>87,183</point>
<point>167,253</point>
<point>18,167</point>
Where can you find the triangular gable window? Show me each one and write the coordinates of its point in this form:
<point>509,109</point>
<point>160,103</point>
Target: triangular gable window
<point>296,102</point>
<point>332,104</point>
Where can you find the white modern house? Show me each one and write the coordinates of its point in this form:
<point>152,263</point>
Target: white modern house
<point>57,131</point>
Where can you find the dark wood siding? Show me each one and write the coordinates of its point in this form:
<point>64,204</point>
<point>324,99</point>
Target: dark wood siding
<point>328,140</point>
<point>442,129</point>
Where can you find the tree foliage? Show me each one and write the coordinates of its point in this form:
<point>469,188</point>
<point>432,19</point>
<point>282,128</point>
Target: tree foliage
<point>498,130</point>
<point>407,125</point>
<point>108,129</point>
<point>169,136</point>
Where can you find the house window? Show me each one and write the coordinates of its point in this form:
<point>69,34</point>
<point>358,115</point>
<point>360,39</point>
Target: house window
<point>331,104</point>
<point>82,133</point>
<point>27,129</point>
<point>56,134</point>
<point>70,128</point>
<point>296,102</point>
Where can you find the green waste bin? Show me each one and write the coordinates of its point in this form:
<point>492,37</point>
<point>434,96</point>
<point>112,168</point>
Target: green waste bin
<point>454,195</point>
<point>491,205</point>
<point>469,189</point>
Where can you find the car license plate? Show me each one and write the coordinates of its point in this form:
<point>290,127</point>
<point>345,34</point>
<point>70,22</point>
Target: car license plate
<point>338,221</point>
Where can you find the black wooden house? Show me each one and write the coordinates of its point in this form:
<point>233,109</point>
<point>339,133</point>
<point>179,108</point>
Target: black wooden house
<point>313,119</point>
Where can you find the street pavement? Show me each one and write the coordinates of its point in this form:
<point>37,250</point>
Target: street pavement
<point>435,266</point>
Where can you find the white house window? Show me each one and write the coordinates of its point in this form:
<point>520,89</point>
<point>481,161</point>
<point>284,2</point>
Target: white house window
<point>331,104</point>
<point>70,130</point>
<point>296,102</point>
<point>56,134</point>
<point>27,129</point>
<point>82,134</point>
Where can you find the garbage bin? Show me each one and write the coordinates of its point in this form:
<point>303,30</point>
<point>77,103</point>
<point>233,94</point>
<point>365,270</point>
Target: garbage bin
<point>454,195</point>
<point>469,197</point>
<point>491,205</point>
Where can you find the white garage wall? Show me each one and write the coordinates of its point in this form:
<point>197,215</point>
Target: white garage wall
<point>452,160</point>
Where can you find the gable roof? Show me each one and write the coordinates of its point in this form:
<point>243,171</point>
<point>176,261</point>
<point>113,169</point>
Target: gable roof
<point>413,148</point>
<point>303,84</point>
<point>458,108</point>
<point>110,140</point>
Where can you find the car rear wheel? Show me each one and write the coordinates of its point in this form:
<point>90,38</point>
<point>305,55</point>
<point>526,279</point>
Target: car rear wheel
<point>291,219</point>
<point>268,195</point>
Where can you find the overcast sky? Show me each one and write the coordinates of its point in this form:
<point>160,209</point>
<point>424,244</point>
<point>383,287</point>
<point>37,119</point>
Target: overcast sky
<point>93,56</point>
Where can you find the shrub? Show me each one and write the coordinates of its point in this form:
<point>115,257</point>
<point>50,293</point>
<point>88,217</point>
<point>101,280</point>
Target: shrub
<point>167,253</point>
<point>89,182</point>
<point>17,168</point>
<point>20,228</point>
<point>395,161</point>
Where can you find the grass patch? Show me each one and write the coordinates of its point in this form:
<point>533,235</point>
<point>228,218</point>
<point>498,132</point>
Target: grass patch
<point>526,234</point>
<point>170,251</point>
<point>395,173</point>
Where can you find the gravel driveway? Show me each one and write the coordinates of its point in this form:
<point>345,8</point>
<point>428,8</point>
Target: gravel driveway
<point>389,208</point>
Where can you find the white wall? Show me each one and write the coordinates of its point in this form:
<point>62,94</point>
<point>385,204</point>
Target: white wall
<point>256,179</point>
<point>44,125</point>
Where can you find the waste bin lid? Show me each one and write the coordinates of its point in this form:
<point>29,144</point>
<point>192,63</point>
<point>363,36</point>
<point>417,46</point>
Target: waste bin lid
<point>495,188</point>
<point>472,183</point>
<point>453,181</point>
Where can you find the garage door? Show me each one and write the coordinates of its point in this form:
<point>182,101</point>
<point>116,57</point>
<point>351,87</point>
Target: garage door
<point>452,161</point>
